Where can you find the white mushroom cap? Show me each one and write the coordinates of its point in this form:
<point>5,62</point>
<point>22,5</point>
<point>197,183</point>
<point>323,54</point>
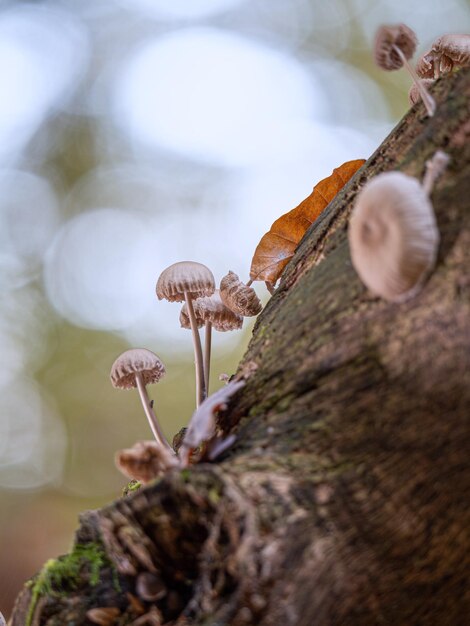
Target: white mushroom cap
<point>136,360</point>
<point>393,236</point>
<point>185,276</point>
<point>212,310</point>
<point>389,37</point>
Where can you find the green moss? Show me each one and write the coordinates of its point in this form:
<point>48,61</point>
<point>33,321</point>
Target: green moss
<point>185,475</point>
<point>131,487</point>
<point>214,495</point>
<point>65,572</point>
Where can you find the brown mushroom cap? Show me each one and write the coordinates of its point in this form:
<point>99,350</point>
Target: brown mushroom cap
<point>433,64</point>
<point>454,46</point>
<point>238,297</point>
<point>212,310</point>
<point>393,236</point>
<point>386,38</point>
<point>145,461</point>
<point>185,276</point>
<point>136,360</point>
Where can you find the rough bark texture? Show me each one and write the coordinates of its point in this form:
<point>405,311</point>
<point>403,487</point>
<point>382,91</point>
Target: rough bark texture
<point>343,500</point>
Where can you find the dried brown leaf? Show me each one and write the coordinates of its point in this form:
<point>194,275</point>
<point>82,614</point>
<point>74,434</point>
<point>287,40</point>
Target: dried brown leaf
<point>278,245</point>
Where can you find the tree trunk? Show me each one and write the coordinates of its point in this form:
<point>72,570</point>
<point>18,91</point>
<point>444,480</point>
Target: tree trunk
<point>343,499</point>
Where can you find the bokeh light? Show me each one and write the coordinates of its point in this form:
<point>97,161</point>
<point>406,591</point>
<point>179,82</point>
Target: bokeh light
<point>215,96</point>
<point>43,54</point>
<point>180,9</point>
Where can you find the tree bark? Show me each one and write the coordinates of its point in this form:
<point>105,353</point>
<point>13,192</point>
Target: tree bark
<point>343,500</point>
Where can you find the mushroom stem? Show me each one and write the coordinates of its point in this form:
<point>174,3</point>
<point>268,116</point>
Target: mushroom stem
<point>201,391</point>
<point>152,418</point>
<point>434,168</point>
<point>270,287</point>
<point>207,354</point>
<point>428,100</point>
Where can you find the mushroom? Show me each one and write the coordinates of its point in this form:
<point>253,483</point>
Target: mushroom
<point>210,312</point>
<point>145,461</point>
<point>394,45</point>
<point>238,297</point>
<point>139,367</point>
<point>447,53</point>
<point>432,65</point>
<point>187,281</point>
<point>413,94</point>
<point>393,234</point>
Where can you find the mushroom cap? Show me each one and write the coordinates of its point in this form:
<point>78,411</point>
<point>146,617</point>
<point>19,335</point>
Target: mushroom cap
<point>145,461</point>
<point>454,46</point>
<point>413,94</point>
<point>185,276</point>
<point>425,64</point>
<point>393,236</point>
<point>213,310</point>
<point>238,297</point>
<point>386,38</point>
<point>433,64</point>
<point>136,360</point>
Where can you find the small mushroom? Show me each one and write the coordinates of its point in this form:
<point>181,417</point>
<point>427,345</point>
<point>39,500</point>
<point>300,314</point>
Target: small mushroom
<point>202,424</point>
<point>455,49</point>
<point>394,46</point>
<point>211,312</point>
<point>432,65</point>
<point>238,297</point>
<point>139,367</point>
<point>393,234</point>
<point>145,461</point>
<point>187,281</point>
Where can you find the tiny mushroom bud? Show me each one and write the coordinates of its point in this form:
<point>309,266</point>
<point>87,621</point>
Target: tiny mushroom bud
<point>393,236</point>
<point>239,297</point>
<point>145,461</point>
<point>394,46</point>
<point>187,281</point>
<point>212,313</point>
<point>137,368</point>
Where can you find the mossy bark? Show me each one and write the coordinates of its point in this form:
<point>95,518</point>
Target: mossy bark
<point>344,498</point>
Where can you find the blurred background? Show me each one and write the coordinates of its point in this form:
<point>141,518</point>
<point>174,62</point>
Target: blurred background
<point>133,134</point>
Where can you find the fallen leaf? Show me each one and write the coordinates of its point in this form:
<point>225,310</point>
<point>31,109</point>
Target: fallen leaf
<point>278,245</point>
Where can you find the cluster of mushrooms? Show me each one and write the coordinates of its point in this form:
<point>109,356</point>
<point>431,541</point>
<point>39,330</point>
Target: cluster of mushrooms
<point>393,234</point>
<point>395,46</point>
<point>393,240</point>
<point>220,309</point>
